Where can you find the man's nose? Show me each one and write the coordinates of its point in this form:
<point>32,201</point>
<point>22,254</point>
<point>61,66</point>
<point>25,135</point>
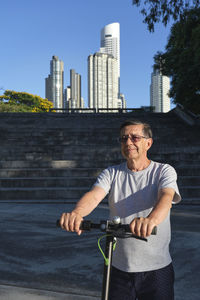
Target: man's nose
<point>129,141</point>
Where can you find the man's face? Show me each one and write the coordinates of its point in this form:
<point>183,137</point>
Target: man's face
<point>134,149</point>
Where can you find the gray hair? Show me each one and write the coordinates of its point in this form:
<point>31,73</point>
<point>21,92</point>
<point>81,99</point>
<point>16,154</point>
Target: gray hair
<point>146,127</point>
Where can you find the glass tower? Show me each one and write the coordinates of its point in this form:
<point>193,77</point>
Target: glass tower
<point>54,82</point>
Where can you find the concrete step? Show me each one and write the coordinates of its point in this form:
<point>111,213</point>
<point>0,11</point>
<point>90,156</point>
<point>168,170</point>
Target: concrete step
<point>73,181</point>
<point>190,201</point>
<point>110,157</point>
<point>185,170</point>
<point>176,157</point>
<point>101,163</point>
<point>58,169</point>
<point>49,172</point>
<point>190,191</point>
<point>50,140</point>
<point>41,189</point>
<point>61,136</point>
<point>51,151</point>
<point>84,120</point>
<point>33,134</point>
<point>104,163</point>
<point>42,193</point>
<point>189,181</point>
<point>97,138</point>
<point>72,193</point>
<point>38,182</point>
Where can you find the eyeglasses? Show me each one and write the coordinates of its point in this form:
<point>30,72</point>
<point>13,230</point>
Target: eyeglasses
<point>133,138</point>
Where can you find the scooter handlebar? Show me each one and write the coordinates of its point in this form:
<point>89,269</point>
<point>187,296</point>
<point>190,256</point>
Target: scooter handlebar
<point>108,227</point>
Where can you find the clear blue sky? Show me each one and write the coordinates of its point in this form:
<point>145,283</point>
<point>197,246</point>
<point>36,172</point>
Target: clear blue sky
<point>32,31</point>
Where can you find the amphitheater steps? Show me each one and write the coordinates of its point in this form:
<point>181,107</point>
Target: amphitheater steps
<point>56,157</point>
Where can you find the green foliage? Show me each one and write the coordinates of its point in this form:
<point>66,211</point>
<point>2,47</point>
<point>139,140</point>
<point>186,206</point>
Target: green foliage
<point>155,11</point>
<point>12,101</point>
<point>7,107</point>
<point>181,60</point>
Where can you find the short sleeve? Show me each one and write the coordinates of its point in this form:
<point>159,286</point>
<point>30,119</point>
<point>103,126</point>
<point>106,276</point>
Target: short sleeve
<point>168,179</point>
<point>104,180</point>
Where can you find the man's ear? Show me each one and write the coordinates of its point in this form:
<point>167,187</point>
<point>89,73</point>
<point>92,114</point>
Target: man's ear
<point>149,143</point>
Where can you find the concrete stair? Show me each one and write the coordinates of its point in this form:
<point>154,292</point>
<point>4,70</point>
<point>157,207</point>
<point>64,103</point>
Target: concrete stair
<point>56,157</point>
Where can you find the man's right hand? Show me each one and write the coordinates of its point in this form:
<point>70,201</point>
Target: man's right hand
<point>71,222</point>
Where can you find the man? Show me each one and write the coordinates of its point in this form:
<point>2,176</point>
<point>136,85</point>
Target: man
<point>141,192</point>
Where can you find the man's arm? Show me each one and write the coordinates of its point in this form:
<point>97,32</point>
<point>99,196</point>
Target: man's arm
<point>71,221</point>
<point>144,226</point>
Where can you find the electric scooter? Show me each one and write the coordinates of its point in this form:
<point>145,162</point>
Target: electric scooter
<point>113,230</point>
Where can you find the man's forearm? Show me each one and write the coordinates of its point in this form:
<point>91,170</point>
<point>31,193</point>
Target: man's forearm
<point>144,226</point>
<point>89,201</point>
<point>71,221</point>
<point>85,205</point>
<point>162,208</point>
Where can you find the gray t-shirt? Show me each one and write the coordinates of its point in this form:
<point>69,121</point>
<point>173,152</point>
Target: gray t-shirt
<point>134,194</point>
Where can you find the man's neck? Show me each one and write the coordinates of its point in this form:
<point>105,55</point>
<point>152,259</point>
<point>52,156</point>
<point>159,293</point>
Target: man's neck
<point>136,166</point>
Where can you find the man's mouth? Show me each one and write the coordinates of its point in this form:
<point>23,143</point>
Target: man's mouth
<point>131,149</point>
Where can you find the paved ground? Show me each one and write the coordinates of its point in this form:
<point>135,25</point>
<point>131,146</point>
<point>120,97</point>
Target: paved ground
<point>41,262</point>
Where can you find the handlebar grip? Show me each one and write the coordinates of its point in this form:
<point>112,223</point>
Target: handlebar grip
<point>86,225</point>
<point>126,228</point>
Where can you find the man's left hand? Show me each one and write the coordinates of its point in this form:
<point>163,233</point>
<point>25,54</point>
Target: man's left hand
<point>142,226</point>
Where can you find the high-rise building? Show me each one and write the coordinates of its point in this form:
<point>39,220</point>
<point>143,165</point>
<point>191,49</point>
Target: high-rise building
<point>54,82</point>
<point>110,42</point>
<point>73,97</point>
<point>159,92</point>
<point>67,97</point>
<point>102,81</point>
<point>104,71</point>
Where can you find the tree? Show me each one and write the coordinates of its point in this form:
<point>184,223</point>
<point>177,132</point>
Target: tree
<point>12,101</point>
<point>181,61</point>
<point>155,11</point>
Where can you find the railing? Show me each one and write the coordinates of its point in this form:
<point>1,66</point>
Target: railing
<point>101,110</point>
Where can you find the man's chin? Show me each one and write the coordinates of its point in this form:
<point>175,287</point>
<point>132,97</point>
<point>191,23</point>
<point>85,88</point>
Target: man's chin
<point>129,156</point>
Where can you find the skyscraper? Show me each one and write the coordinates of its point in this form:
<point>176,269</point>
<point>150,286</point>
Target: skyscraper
<point>104,71</point>
<point>102,81</point>
<point>159,89</point>
<point>110,42</point>
<point>54,82</point>
<point>73,92</point>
